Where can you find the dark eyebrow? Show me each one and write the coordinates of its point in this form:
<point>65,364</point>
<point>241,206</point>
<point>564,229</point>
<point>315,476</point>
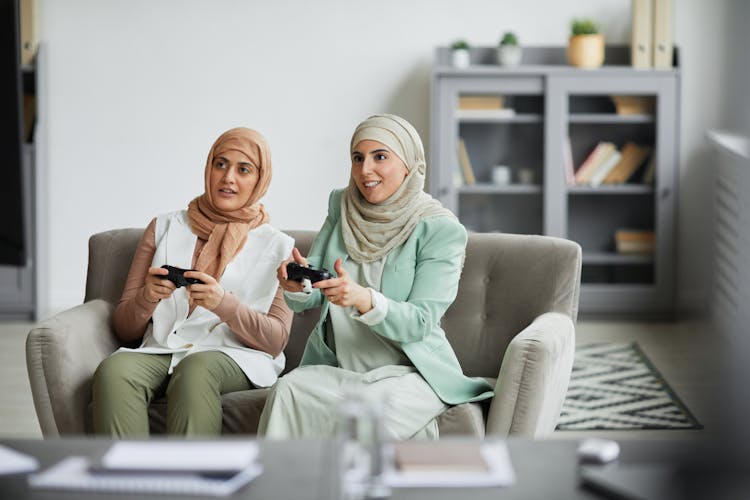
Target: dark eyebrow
<point>380,150</point>
<point>242,163</point>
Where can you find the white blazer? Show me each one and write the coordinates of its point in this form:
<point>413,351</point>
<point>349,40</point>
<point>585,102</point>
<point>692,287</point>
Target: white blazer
<point>251,276</point>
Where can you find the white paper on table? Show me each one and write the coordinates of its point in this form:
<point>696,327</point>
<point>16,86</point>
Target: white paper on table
<point>14,462</point>
<point>176,456</point>
<point>500,473</point>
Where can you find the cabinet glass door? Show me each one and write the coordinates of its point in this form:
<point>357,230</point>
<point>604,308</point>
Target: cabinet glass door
<point>497,164</point>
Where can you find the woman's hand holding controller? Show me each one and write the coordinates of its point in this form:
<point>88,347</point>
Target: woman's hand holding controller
<point>156,287</point>
<point>207,294</point>
<point>284,281</point>
<point>345,292</point>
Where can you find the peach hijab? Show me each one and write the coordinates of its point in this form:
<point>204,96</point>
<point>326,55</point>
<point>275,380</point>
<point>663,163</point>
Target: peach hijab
<point>226,232</point>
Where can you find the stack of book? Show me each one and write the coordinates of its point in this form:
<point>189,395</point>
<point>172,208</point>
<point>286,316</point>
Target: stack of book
<point>634,241</point>
<point>608,165</point>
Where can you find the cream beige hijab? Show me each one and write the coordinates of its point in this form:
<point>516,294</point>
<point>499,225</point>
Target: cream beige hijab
<point>226,232</point>
<point>370,230</point>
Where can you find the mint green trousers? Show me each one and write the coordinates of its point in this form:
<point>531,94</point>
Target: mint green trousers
<point>126,383</point>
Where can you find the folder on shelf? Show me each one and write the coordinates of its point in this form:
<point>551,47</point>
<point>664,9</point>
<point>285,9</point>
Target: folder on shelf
<point>631,159</point>
<point>641,52</point>
<point>663,34</point>
<point>605,168</point>
<point>593,161</point>
<point>465,162</point>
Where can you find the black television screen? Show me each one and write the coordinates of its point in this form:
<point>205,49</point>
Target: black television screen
<point>12,247</point>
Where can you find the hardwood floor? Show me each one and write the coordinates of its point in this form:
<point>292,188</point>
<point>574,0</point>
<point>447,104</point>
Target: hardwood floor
<point>684,352</point>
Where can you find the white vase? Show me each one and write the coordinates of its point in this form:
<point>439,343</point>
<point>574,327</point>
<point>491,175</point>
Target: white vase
<point>509,55</point>
<point>461,58</point>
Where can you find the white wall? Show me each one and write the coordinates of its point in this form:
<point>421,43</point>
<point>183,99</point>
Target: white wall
<point>138,90</point>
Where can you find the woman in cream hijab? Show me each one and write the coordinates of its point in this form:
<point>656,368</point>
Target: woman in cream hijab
<point>397,256</point>
<point>225,333</point>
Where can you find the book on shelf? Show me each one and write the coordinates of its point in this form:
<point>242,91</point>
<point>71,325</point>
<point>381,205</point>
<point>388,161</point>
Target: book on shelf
<point>570,176</point>
<point>649,173</point>
<point>604,168</point>
<point>595,158</point>
<point>641,51</point>
<point>480,102</point>
<point>631,158</point>
<point>634,241</point>
<point>465,162</point>
<point>663,42</point>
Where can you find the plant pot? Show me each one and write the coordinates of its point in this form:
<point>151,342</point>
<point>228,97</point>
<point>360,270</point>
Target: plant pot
<point>461,58</point>
<point>586,51</point>
<point>509,55</point>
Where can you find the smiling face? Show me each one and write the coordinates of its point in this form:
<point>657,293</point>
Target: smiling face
<point>232,180</point>
<point>377,171</point>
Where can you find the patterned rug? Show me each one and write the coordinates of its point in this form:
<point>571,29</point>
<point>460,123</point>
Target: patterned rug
<point>615,387</point>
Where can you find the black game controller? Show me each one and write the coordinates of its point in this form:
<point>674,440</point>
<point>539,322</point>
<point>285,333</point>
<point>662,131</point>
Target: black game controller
<point>177,276</point>
<point>298,273</point>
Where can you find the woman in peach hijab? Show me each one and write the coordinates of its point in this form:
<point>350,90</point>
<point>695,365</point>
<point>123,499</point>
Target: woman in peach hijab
<point>224,332</point>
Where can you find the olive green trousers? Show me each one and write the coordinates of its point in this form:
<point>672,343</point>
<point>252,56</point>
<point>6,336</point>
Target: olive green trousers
<point>126,383</point>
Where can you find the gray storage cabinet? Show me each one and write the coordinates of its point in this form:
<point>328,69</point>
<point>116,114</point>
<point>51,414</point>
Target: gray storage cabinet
<point>553,104</point>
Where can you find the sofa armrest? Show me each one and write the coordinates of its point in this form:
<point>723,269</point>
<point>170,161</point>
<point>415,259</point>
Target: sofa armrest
<point>62,354</point>
<point>534,378</point>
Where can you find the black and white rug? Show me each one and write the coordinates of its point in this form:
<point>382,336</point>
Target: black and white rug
<point>615,387</point>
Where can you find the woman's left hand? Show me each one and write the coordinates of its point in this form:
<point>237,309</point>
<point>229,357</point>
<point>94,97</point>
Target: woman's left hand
<point>207,295</point>
<point>344,292</point>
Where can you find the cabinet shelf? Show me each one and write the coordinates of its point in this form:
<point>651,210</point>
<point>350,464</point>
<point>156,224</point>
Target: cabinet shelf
<point>496,116</point>
<point>608,118</point>
<point>614,258</point>
<point>495,189</point>
<point>612,189</point>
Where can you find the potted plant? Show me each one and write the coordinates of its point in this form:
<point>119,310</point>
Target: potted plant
<point>508,51</point>
<point>586,44</point>
<point>460,54</point>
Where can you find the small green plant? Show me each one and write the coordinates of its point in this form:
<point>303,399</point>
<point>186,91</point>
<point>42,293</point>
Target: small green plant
<point>509,38</point>
<point>584,27</point>
<point>460,45</point>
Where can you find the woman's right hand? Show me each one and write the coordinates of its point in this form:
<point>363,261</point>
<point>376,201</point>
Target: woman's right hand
<point>156,287</point>
<point>285,283</point>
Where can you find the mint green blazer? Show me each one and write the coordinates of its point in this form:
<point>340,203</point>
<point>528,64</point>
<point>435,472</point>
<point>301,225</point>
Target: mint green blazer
<point>420,281</point>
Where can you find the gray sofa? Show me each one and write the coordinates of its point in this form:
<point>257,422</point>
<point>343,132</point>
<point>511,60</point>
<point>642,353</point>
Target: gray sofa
<point>513,323</point>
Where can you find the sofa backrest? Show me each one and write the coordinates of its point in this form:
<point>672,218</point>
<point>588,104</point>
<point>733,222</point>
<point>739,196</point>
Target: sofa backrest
<point>508,280</point>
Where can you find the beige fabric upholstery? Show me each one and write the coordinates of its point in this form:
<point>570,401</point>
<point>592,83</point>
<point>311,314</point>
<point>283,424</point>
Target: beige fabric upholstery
<point>512,323</point>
